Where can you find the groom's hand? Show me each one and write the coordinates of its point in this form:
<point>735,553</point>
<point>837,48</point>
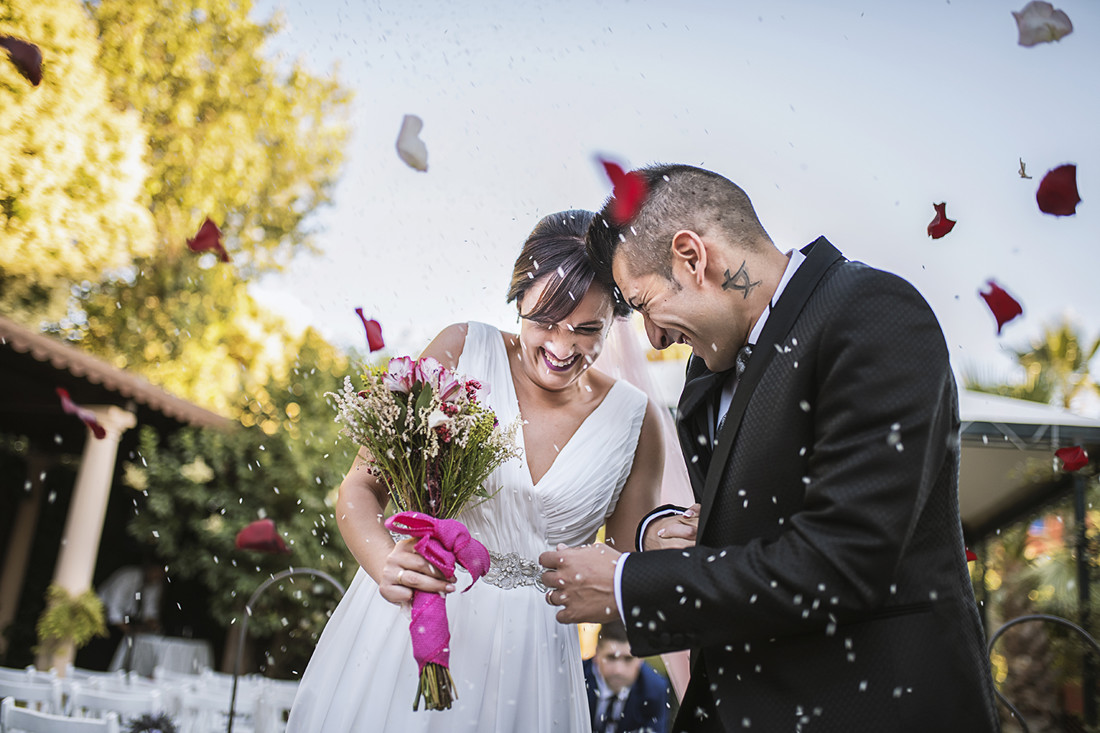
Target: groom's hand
<point>582,581</point>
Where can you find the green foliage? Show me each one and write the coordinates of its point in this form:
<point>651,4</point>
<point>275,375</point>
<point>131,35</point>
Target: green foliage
<point>69,619</point>
<point>203,487</point>
<point>72,169</point>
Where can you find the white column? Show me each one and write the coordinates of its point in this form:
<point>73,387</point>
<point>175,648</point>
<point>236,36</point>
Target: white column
<point>88,507</point>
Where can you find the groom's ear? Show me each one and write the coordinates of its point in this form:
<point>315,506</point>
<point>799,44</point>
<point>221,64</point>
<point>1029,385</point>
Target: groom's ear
<point>689,255</point>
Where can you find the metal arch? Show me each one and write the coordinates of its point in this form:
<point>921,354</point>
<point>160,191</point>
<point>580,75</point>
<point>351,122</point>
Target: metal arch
<point>248,614</point>
<point>1020,620</point>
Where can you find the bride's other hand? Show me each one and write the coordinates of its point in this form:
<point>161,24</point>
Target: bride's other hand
<point>405,570</point>
<point>675,531</point>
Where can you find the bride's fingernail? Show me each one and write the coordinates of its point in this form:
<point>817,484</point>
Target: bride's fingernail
<point>660,533</point>
<point>562,546</point>
<point>450,588</point>
<point>689,513</point>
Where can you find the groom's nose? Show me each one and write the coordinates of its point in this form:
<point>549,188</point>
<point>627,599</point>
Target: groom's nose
<point>657,335</point>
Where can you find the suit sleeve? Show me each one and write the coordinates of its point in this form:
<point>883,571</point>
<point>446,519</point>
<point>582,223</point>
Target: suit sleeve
<point>882,368</point>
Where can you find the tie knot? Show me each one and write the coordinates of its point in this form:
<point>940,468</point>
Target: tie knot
<point>742,360</point>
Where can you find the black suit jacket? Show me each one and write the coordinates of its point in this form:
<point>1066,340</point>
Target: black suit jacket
<point>646,707</point>
<point>828,590</point>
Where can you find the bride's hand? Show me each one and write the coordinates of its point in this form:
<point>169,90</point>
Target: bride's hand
<point>675,531</point>
<point>406,570</point>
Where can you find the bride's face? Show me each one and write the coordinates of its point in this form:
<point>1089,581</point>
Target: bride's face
<point>554,355</point>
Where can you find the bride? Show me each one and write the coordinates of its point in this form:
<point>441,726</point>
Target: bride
<point>592,454</point>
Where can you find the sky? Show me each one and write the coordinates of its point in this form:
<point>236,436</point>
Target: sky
<point>845,119</point>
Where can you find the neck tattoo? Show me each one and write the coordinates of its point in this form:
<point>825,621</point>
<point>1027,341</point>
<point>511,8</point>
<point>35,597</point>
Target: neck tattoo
<point>740,281</point>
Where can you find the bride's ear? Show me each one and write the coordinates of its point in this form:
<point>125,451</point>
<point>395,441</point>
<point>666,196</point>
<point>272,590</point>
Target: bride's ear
<point>689,255</point>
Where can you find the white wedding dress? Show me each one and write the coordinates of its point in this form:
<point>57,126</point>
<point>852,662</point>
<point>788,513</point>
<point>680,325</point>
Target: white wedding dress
<point>515,667</point>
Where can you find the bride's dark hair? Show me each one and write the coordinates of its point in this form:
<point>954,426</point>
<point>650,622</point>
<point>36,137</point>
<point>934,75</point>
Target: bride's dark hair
<point>555,250</point>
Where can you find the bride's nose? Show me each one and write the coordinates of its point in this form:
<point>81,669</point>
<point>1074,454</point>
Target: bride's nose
<point>560,342</point>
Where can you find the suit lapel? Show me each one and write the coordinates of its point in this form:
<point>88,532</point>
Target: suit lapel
<point>820,256</point>
<point>692,419</point>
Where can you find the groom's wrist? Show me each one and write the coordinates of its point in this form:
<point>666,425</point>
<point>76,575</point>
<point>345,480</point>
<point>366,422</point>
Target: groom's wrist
<point>618,585</point>
<point>661,511</point>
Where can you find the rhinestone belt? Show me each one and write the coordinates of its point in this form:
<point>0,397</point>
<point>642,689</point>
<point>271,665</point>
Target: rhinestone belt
<point>506,571</point>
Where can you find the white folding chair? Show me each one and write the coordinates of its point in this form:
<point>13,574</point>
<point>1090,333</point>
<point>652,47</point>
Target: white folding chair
<point>23,720</point>
<point>273,705</point>
<point>21,675</point>
<point>86,701</point>
<point>204,707</point>
<point>41,692</point>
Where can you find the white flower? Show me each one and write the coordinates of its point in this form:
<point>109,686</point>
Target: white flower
<point>409,146</point>
<point>437,418</point>
<point>1039,22</point>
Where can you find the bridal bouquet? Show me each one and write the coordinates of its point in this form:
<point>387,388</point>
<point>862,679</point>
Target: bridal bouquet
<point>432,444</point>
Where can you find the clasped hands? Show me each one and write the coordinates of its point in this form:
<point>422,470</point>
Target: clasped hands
<point>582,579</point>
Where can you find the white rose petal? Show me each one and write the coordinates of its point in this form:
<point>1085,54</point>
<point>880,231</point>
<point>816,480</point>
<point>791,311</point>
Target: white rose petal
<point>409,145</point>
<point>1039,22</point>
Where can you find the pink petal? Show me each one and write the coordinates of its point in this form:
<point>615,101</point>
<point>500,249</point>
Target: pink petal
<point>1057,192</point>
<point>1073,458</point>
<point>940,224</point>
<point>628,189</point>
<point>27,58</point>
<point>1039,22</point>
<point>262,536</point>
<point>83,413</point>
<point>374,331</point>
<point>1003,305</point>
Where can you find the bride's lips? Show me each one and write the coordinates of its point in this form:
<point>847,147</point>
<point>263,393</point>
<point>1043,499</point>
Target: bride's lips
<point>558,365</point>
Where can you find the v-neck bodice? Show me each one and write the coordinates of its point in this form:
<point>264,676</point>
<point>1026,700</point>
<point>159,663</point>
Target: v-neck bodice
<point>580,488</point>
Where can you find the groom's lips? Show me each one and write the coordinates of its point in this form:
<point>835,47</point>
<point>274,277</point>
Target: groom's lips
<point>568,363</point>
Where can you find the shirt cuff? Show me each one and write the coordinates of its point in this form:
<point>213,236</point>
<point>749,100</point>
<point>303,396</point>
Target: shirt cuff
<point>655,515</point>
<point>619,586</point>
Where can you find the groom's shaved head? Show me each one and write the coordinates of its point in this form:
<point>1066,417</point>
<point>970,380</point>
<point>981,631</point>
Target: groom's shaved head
<point>679,197</point>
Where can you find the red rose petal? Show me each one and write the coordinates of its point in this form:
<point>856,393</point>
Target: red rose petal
<point>1003,305</point>
<point>628,189</point>
<point>27,58</point>
<point>970,556</point>
<point>1073,458</point>
<point>940,225</point>
<point>1057,192</point>
<point>209,238</point>
<point>83,413</point>
<point>262,536</point>
<point>374,331</point>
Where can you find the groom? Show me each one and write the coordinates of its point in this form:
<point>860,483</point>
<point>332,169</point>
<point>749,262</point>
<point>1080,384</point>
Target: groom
<point>827,589</point>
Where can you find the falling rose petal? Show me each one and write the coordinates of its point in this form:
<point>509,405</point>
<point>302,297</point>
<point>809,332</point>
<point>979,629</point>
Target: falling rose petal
<point>628,189</point>
<point>1073,458</point>
<point>209,238</point>
<point>409,145</point>
<point>374,331</point>
<point>83,413</point>
<point>27,58</point>
<point>262,536</point>
<point>1039,22</point>
<point>1023,170</point>
<point>940,224</point>
<point>1057,192</point>
<point>1003,305</point>
<point>970,556</point>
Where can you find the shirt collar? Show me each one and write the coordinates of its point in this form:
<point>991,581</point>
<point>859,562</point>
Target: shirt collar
<point>794,259</point>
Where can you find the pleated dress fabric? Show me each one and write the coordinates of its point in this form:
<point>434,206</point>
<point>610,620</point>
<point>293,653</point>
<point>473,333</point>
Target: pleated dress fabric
<point>515,667</point>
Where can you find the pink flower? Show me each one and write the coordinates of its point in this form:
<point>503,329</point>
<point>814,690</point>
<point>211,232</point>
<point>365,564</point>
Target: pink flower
<point>475,390</point>
<point>400,375</point>
<point>427,370</point>
<point>446,386</point>
<point>1039,22</point>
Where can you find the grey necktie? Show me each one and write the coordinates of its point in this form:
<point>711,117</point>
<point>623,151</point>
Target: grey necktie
<point>742,359</point>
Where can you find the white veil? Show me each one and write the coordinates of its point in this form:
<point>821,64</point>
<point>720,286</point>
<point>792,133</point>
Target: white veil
<point>623,358</point>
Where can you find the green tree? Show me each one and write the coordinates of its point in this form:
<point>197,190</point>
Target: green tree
<point>72,172</point>
<point>202,487</point>
<point>232,136</point>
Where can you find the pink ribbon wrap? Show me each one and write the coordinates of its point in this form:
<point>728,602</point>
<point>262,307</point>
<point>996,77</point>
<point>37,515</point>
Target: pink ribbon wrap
<point>443,542</point>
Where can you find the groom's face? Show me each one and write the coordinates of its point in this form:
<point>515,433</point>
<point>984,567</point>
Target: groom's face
<point>676,311</point>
